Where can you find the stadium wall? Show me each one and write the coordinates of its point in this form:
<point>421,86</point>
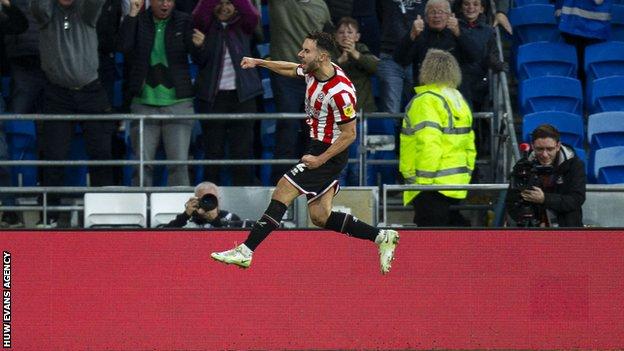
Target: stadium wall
<point>316,290</point>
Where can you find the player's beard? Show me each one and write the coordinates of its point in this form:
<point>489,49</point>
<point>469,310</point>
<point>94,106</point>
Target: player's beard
<point>311,67</point>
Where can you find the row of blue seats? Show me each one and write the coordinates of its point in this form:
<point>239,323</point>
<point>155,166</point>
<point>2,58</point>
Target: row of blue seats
<point>537,22</point>
<point>605,130</point>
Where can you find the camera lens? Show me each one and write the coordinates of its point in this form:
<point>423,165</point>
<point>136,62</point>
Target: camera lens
<point>208,202</point>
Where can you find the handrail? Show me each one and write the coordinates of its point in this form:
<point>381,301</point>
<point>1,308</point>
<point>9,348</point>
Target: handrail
<point>472,187</point>
<point>507,132</point>
<point>362,160</point>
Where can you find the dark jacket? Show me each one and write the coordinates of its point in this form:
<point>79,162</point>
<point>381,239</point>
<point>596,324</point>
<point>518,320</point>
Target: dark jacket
<point>12,20</point>
<point>224,219</point>
<point>474,73</point>
<point>237,35</point>
<point>413,51</point>
<point>396,20</point>
<point>565,199</point>
<point>339,9</point>
<point>136,40</point>
<point>360,73</point>
<point>107,26</point>
<point>27,42</point>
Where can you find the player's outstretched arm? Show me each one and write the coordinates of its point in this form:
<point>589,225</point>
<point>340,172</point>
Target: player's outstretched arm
<point>284,68</point>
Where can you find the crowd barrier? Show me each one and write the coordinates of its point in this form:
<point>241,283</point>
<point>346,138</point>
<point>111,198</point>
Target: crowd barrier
<point>504,289</point>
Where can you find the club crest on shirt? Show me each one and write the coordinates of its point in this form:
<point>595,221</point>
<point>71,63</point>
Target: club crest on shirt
<point>320,97</point>
<point>348,110</point>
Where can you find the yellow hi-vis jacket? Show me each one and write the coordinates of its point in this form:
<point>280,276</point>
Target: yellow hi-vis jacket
<point>437,141</point>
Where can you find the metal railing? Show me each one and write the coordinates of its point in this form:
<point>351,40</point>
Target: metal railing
<point>363,148</point>
<point>499,187</point>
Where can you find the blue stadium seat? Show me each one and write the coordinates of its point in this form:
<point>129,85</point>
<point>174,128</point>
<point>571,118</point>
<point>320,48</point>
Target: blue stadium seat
<point>519,3</point>
<point>533,23</point>
<point>605,94</point>
<point>22,142</point>
<point>551,93</point>
<point>569,125</point>
<point>604,60</point>
<point>263,49</point>
<point>580,153</point>
<point>546,59</point>
<point>605,129</point>
<point>609,165</point>
<point>617,22</point>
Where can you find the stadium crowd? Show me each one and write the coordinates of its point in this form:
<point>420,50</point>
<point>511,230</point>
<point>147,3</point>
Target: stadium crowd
<point>183,57</point>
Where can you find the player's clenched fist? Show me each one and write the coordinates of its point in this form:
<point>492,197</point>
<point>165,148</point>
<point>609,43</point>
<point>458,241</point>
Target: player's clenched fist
<point>249,62</point>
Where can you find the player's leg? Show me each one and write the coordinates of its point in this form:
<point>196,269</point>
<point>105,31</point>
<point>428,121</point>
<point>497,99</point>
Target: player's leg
<point>241,255</point>
<point>322,216</point>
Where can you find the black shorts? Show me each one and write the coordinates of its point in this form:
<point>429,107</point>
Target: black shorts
<point>316,182</point>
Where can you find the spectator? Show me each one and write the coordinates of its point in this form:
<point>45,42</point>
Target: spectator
<point>158,42</point>
<point>69,57</point>
<point>437,142</point>
<point>224,87</point>
<point>475,73</point>
<point>12,21</point>
<point>107,28</point>
<point>359,64</point>
<point>395,81</point>
<point>583,23</point>
<point>291,22</point>
<point>439,30</point>
<point>558,196</point>
<point>202,211</point>
<point>366,14</point>
<point>500,17</point>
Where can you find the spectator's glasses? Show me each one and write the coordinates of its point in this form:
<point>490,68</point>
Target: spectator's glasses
<point>437,12</point>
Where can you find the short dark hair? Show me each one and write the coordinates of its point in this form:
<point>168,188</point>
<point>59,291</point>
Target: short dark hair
<point>348,21</point>
<point>323,41</point>
<point>545,131</point>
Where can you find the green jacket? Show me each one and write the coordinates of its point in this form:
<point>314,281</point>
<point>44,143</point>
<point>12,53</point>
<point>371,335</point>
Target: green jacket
<point>437,141</point>
<point>360,73</point>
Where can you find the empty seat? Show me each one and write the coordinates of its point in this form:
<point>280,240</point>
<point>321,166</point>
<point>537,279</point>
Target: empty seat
<point>606,94</point>
<point>533,23</point>
<point>609,165</point>
<point>164,207</point>
<point>605,129</point>
<point>546,59</point>
<point>551,93</point>
<point>604,60</point>
<point>569,125</point>
<point>115,210</point>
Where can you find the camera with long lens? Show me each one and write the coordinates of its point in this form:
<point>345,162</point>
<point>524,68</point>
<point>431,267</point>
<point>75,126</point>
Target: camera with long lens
<point>208,202</point>
<point>525,175</point>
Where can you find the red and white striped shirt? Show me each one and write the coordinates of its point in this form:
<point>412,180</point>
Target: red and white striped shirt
<point>328,104</point>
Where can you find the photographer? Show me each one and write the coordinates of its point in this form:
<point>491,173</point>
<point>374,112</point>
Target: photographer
<point>547,187</point>
<point>202,211</point>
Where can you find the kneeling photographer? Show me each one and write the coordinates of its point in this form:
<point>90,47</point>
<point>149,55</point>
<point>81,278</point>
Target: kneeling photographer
<point>202,211</point>
<point>547,186</point>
